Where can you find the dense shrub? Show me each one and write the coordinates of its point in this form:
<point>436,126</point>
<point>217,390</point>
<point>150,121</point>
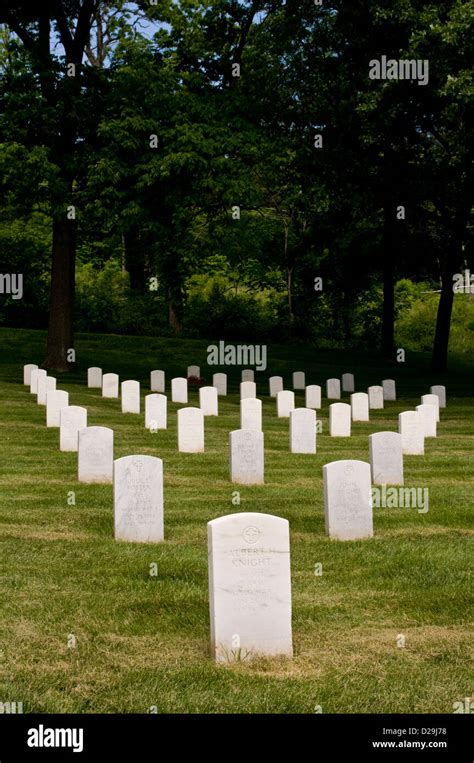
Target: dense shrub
<point>415,326</point>
<point>214,309</point>
<point>105,302</point>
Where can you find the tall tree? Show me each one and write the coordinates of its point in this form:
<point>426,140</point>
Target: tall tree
<point>64,82</point>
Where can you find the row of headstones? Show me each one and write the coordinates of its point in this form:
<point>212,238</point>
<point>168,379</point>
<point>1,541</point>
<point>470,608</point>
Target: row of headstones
<point>298,378</point>
<point>109,383</point>
<point>414,426</point>
<point>302,424</point>
<point>360,402</point>
<point>95,444</point>
<point>208,396</point>
<point>249,555</point>
<point>302,420</point>
<point>72,419</point>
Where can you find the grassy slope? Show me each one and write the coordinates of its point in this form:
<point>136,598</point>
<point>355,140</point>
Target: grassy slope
<point>144,641</point>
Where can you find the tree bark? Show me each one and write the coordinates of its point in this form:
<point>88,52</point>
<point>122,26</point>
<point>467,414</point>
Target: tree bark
<point>453,264</point>
<point>289,289</point>
<point>61,324</point>
<point>439,358</point>
<point>388,307</point>
<point>175,310</point>
<point>135,255</point>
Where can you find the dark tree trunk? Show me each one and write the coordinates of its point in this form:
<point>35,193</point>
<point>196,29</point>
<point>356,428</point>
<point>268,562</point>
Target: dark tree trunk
<point>346,315</point>
<point>439,358</point>
<point>173,281</point>
<point>135,259</point>
<point>453,264</point>
<point>175,310</point>
<point>388,307</point>
<point>61,141</point>
<point>289,289</point>
<point>61,325</point>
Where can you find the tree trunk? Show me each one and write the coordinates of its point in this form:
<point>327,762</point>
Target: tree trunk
<point>135,259</point>
<point>173,281</point>
<point>289,288</point>
<point>174,312</point>
<point>439,358</point>
<point>61,325</point>
<point>346,316</point>
<point>453,264</point>
<point>388,307</point>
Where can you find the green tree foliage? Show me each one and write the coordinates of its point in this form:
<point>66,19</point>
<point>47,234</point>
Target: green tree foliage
<point>230,153</point>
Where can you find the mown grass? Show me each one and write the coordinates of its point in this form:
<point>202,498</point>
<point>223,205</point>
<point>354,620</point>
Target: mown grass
<point>143,641</point>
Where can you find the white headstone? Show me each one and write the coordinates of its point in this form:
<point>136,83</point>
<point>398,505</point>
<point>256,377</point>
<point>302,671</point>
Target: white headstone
<point>411,429</point>
<point>248,389</point>
<point>340,420</point>
<point>249,586</point>
<point>45,384</point>
<point>157,381</point>
<point>285,400</point>
<point>194,372</point>
<point>360,406</point>
<point>94,377</point>
<point>313,396</point>
<point>130,396</point>
<point>251,413</point>
<point>247,375</point>
<point>110,385</point>
<point>55,400</point>
<point>348,383</point>
<point>348,500</point>
<point>246,457</point>
<point>190,430</point>
<point>386,458</point>
<point>333,389</point>
<point>303,430</point>
<point>208,401</point>
<point>389,389</point>
<point>156,411</point>
<point>299,380</point>
<point>375,397</point>
<point>95,454</point>
<point>27,372</point>
<point>179,390</point>
<point>276,385</point>
<point>428,419</point>
<point>71,420</point>
<point>440,390</point>
<point>138,499</point>
<point>36,374</point>
<point>219,381</point>
<point>431,400</point>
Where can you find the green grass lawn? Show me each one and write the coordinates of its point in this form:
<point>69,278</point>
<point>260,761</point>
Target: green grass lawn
<point>143,641</point>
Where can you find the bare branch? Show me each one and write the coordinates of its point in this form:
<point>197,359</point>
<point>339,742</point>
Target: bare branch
<point>8,18</point>
<point>63,27</point>
<point>83,27</point>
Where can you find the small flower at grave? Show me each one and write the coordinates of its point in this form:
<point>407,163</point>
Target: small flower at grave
<point>196,381</point>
